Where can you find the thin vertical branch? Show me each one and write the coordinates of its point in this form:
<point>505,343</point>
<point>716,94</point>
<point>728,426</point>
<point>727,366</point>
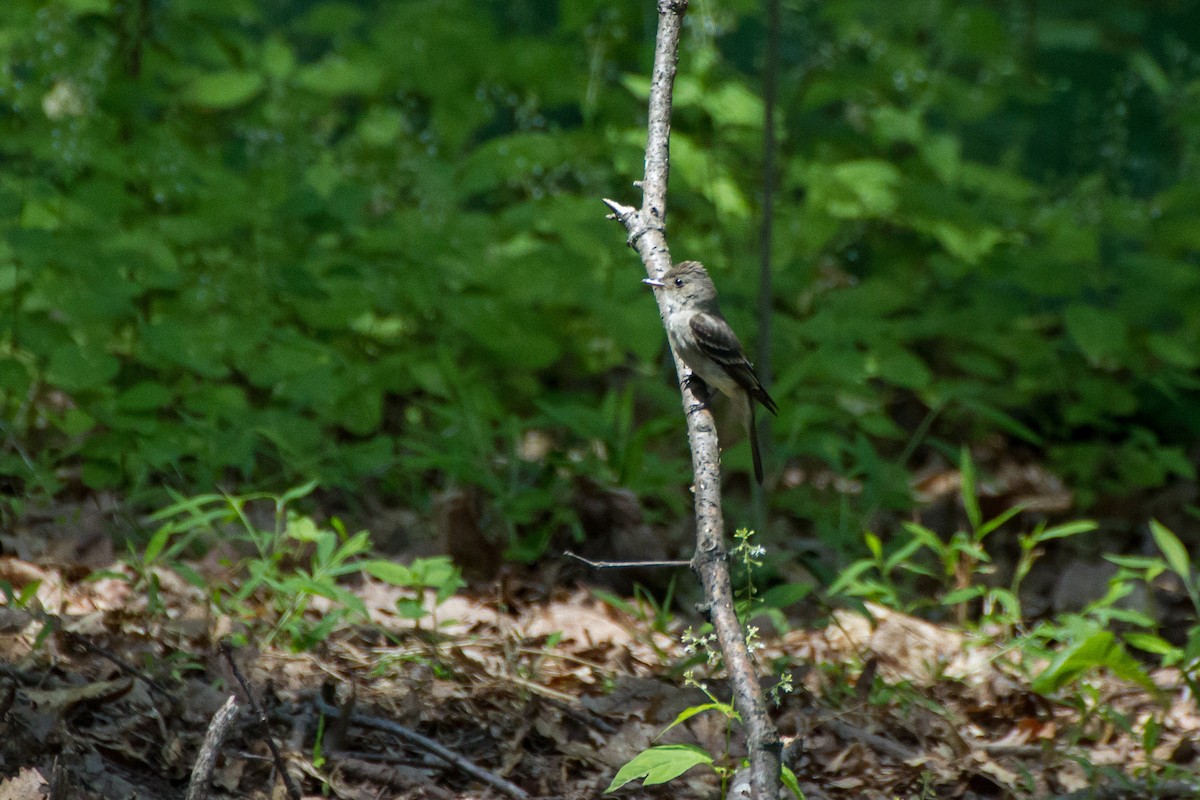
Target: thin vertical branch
<point>766,232</point>
<point>647,235</point>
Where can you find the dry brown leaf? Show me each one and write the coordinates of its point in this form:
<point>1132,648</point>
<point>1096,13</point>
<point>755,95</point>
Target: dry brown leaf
<point>25,785</point>
<point>586,626</point>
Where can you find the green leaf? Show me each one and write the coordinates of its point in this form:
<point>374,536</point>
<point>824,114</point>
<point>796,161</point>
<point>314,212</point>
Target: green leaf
<point>1101,335</point>
<point>849,576</point>
<point>144,396</point>
<point>435,572</point>
<point>659,764</point>
<point>73,368</point>
<point>294,494</point>
<point>389,572</point>
<point>791,782</point>
<point>970,495</point>
<point>691,711</point>
<point>1150,72</point>
<point>943,154</point>
<point>968,244</point>
<point>79,7</point>
<point>786,594</point>
<point>1099,650</point>
<point>733,104</point>
<point>224,90</point>
<point>381,126</point>
<point>900,367</point>
<point>874,544</point>
<point>335,75</point>
<point>1066,529</point>
<point>855,189</point>
<point>157,542</point>
<point>14,377</point>
<point>1173,550</point>
<point>901,555</point>
<point>964,595</point>
<point>278,59</point>
<point>1175,350</point>
<point>411,608</point>
<point>999,520</point>
<point>1150,643</point>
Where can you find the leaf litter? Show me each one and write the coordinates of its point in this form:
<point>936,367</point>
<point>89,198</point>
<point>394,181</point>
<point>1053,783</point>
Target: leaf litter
<point>550,690</point>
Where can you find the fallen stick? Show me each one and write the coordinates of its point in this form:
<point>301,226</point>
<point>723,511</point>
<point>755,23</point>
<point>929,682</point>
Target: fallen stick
<point>202,770</point>
<point>428,745</point>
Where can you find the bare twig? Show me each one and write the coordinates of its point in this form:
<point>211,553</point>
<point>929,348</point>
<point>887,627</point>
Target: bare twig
<point>625,564</point>
<point>61,781</point>
<point>646,234</point>
<point>880,744</point>
<point>84,643</point>
<point>430,746</point>
<point>206,760</point>
<point>264,723</point>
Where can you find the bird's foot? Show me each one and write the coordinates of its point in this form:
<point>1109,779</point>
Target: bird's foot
<point>695,384</point>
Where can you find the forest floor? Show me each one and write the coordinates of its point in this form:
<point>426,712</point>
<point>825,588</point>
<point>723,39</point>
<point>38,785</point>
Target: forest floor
<point>108,684</point>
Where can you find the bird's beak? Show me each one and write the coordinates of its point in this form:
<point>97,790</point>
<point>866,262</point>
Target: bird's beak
<point>653,282</point>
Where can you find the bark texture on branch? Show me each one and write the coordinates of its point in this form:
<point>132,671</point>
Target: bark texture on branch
<point>647,235</point>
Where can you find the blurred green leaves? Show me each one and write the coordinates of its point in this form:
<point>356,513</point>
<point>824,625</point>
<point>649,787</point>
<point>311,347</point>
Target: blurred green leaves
<point>222,90</point>
<point>363,242</point>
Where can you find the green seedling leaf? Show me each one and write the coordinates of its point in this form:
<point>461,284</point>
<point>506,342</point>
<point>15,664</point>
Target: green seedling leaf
<point>997,521</point>
<point>619,603</point>
<point>692,711</point>
<point>26,594</point>
<point>350,600</point>
<point>902,555</point>
<point>292,495</point>
<point>786,594</point>
<point>849,576</point>
<point>304,529</point>
<point>1100,650</point>
<point>389,572</point>
<point>975,551</point>
<point>190,505</point>
<point>874,545</point>
<point>970,498</point>
<point>434,571</point>
<point>963,595</point>
<point>925,536</point>
<point>1153,566</point>
<point>191,576</point>
<point>1191,651</point>
<point>357,544</point>
<point>1149,643</point>
<point>410,608</point>
<point>157,542</point>
<point>792,783</point>
<point>1138,618</point>
<point>659,764</point>
<point>1064,530</point>
<point>1172,549</point>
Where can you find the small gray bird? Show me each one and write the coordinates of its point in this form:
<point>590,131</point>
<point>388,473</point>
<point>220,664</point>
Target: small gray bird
<point>709,347</point>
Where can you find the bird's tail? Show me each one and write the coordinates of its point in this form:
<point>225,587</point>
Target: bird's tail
<point>754,452</point>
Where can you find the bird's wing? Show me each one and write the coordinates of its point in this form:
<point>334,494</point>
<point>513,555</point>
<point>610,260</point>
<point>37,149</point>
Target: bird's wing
<point>717,340</point>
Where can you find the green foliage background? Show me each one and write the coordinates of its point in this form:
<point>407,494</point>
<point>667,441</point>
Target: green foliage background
<point>251,242</point>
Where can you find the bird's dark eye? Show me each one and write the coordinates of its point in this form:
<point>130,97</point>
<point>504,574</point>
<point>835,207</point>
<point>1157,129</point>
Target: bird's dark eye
<point>679,281</point>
